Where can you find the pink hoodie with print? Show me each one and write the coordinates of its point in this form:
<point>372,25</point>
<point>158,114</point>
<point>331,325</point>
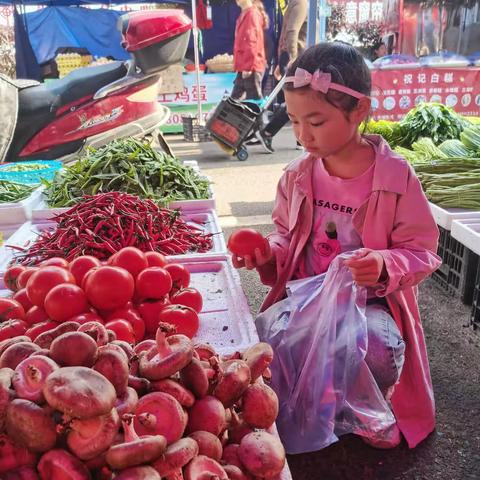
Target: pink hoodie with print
<point>395,221</point>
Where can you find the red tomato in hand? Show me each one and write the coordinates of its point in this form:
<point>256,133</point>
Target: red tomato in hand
<point>132,316</point>
<point>153,282</point>
<point>155,259</point>
<point>190,297</point>
<point>42,327</point>
<point>108,288</point>
<point>10,310</point>
<point>180,275</point>
<point>12,328</point>
<point>54,262</point>
<point>22,298</point>
<point>10,278</point>
<point>86,317</point>
<point>81,265</point>
<point>244,242</point>
<point>25,275</point>
<point>122,329</point>
<point>65,301</point>
<point>43,280</point>
<point>150,311</point>
<point>131,259</point>
<point>36,315</point>
<point>184,318</point>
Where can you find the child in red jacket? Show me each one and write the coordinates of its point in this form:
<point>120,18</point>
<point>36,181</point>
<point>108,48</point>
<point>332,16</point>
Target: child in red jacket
<point>249,50</point>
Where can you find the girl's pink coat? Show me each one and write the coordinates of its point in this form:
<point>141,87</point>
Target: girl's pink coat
<point>395,221</point>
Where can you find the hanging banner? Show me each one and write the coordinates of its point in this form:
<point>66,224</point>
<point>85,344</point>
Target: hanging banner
<point>395,92</point>
<point>213,87</point>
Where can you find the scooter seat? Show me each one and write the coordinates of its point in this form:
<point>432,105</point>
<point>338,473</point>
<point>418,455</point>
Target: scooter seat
<point>86,82</point>
<point>38,104</point>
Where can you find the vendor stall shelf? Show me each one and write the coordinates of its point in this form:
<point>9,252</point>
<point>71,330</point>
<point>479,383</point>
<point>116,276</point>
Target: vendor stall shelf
<point>456,275</point>
<point>467,232</point>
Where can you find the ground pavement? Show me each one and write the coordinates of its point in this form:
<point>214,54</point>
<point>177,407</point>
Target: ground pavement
<point>244,194</point>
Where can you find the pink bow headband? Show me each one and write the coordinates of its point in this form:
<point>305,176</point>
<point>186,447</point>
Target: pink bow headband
<point>319,81</point>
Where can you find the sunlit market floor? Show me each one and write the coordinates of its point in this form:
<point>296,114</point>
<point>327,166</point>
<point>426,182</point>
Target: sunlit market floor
<point>244,194</point>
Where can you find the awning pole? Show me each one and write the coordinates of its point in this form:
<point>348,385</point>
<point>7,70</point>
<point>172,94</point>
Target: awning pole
<point>197,60</point>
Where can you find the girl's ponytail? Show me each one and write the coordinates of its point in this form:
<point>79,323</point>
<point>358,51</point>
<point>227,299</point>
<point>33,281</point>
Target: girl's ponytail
<point>261,7</point>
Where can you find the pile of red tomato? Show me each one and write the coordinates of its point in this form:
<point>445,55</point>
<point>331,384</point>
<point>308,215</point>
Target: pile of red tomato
<point>130,294</point>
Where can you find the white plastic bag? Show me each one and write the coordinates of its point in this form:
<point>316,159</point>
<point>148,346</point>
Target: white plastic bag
<point>325,388</point>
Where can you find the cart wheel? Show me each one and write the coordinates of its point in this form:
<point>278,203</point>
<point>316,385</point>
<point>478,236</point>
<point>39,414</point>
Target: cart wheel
<point>242,154</point>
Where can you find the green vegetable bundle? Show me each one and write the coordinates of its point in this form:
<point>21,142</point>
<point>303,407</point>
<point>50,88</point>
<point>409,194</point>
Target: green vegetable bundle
<point>129,166</point>
<point>390,131</point>
<point>431,120</point>
<point>11,192</point>
<point>23,167</point>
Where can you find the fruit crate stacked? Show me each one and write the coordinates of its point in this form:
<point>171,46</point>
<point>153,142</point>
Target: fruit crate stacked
<point>467,232</point>
<point>456,276</point>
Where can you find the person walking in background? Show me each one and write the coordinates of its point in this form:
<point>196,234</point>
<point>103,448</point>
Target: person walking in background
<point>249,58</point>
<point>292,42</point>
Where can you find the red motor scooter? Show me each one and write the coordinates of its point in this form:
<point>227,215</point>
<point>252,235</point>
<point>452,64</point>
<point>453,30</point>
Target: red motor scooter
<point>94,105</point>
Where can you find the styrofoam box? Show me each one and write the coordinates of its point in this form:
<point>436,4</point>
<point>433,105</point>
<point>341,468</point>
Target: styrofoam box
<point>467,232</point>
<point>225,320</point>
<point>445,216</point>
<point>210,223</point>
<point>19,212</point>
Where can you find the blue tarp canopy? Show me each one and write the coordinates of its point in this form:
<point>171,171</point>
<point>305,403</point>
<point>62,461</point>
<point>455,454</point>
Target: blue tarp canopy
<point>70,3</point>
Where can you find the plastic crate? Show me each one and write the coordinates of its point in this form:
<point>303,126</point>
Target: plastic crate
<point>456,276</point>
<point>32,176</point>
<point>232,121</point>
<point>475,317</point>
<point>194,131</point>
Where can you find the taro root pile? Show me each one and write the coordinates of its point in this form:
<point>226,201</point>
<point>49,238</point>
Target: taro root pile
<point>77,404</point>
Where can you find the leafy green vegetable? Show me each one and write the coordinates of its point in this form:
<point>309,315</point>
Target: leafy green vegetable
<point>390,131</point>
<point>129,166</point>
<point>455,148</point>
<point>22,167</point>
<point>432,120</point>
<point>11,192</point>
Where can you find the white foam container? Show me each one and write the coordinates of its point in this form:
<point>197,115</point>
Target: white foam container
<point>19,212</point>
<point>225,320</point>
<point>210,223</point>
<point>467,232</point>
<point>445,216</point>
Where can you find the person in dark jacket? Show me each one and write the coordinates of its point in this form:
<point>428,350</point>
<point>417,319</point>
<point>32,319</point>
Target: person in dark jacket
<point>291,44</point>
<point>249,59</point>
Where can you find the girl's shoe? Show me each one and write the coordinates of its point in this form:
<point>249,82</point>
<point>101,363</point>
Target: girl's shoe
<point>391,438</point>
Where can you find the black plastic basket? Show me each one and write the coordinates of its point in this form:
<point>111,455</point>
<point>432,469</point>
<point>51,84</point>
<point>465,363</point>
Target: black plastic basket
<point>457,274</point>
<point>193,131</point>
<point>475,318</point>
<point>232,121</point>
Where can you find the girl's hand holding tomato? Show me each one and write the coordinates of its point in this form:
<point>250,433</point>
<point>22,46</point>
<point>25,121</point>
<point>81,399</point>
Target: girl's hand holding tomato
<point>367,267</point>
<point>249,249</point>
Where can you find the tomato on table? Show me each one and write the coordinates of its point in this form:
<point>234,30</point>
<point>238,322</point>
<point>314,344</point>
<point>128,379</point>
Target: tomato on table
<point>185,319</point>
<point>108,287</point>
<point>10,278</point>
<point>153,283</point>
<point>43,280</point>
<point>65,301</point>
<point>131,259</point>
<point>81,265</point>
<point>150,311</point>
<point>122,329</point>
<point>180,275</point>
<point>22,298</point>
<point>133,317</point>
<point>36,315</point>
<point>12,328</point>
<point>10,310</point>
<point>155,259</point>
<point>190,297</point>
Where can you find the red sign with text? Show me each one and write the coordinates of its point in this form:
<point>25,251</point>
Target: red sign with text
<point>395,92</point>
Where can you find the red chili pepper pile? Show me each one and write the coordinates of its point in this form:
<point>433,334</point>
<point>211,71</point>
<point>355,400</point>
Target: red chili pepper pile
<point>103,224</point>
